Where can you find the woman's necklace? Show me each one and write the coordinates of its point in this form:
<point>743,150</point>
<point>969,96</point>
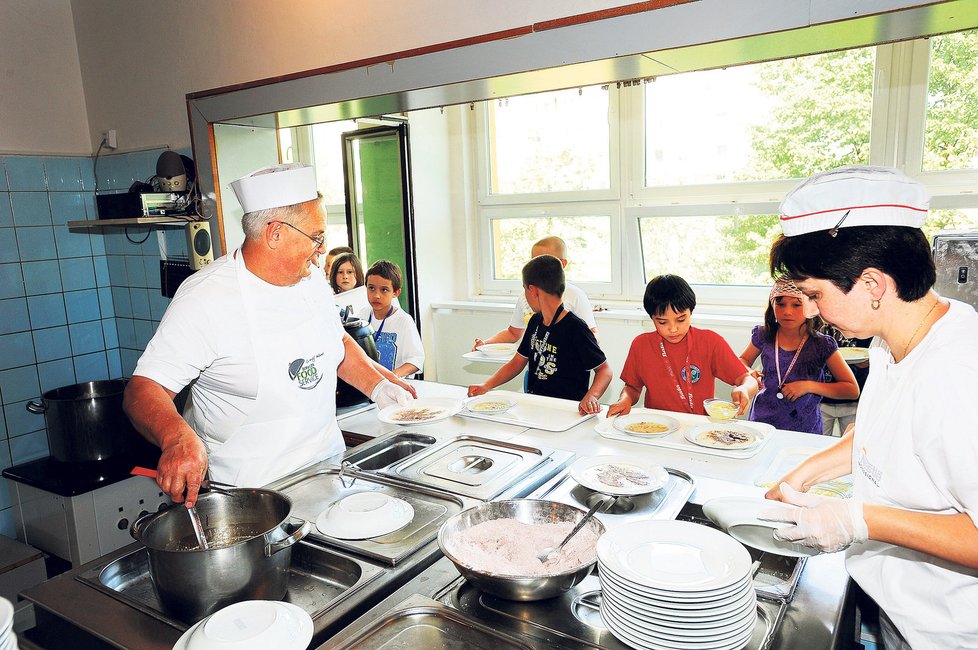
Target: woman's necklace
<point>777,362</point>
<point>917,331</point>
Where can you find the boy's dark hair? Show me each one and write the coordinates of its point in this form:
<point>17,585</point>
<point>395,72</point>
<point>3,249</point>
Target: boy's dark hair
<point>771,324</point>
<point>546,273</point>
<point>665,291</point>
<point>901,252</point>
<point>339,249</point>
<point>339,261</point>
<point>387,270</point>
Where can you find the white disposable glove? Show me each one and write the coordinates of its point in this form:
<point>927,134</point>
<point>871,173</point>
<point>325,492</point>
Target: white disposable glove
<point>387,394</point>
<point>828,524</point>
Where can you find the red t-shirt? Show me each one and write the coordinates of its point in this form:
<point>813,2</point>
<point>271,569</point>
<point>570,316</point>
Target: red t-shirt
<point>709,358</point>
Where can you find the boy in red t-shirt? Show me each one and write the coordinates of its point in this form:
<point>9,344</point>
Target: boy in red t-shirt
<point>677,363</point>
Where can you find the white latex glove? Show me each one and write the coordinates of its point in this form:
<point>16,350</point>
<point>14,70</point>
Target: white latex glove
<point>387,394</point>
<point>828,524</point>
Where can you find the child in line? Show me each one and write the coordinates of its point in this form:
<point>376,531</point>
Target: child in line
<point>331,255</point>
<point>395,332</point>
<point>560,348</point>
<point>677,363</point>
<point>346,272</point>
<point>843,411</point>
<point>793,359</point>
<point>574,299</point>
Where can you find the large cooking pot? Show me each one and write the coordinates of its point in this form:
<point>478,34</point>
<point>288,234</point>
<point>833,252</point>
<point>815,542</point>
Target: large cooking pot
<point>85,422</point>
<point>251,551</point>
<point>363,334</point>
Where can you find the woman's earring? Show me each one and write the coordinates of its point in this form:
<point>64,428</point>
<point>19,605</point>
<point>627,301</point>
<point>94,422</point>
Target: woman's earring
<point>875,305</point>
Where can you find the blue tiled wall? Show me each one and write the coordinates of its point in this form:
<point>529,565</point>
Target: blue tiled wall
<point>75,304</point>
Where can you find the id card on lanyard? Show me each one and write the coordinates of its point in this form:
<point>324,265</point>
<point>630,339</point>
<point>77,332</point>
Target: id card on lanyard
<point>686,397</point>
<point>384,342</point>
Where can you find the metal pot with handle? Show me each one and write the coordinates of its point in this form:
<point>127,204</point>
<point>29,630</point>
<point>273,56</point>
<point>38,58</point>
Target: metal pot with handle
<point>250,540</point>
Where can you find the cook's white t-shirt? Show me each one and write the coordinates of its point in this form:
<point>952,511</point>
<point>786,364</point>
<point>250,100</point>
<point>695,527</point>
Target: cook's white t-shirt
<point>575,301</point>
<point>205,335</point>
<point>916,448</point>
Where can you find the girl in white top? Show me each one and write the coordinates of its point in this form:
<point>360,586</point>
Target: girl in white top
<point>853,245</point>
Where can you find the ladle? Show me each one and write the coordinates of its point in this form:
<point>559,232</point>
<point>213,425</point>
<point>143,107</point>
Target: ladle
<point>221,488</point>
<point>198,528</point>
<point>547,552</point>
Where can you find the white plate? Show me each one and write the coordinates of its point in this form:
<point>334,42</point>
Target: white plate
<point>363,515</point>
<point>700,435</point>
<point>679,599</point>
<point>674,555</point>
<point>6,615</point>
<point>631,635</point>
<point>733,625</point>
<point>618,475</point>
<point>489,403</point>
<point>246,617</point>
<point>854,355</point>
<point>498,350</point>
<point>639,416</point>
<point>739,517</point>
<point>688,611</point>
<point>433,409</point>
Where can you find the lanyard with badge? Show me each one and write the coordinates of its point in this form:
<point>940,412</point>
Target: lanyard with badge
<point>688,396</point>
<point>541,347</point>
<point>385,344</point>
<point>777,363</point>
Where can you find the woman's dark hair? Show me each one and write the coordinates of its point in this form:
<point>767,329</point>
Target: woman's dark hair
<point>546,273</point>
<point>771,324</point>
<point>339,261</point>
<point>901,252</point>
<point>665,291</point>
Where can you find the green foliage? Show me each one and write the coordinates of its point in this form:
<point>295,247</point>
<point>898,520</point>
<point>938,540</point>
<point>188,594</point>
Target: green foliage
<point>951,137</point>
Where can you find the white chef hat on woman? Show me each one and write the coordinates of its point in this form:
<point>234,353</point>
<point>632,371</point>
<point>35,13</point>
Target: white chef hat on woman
<point>856,195</point>
<point>276,186</point>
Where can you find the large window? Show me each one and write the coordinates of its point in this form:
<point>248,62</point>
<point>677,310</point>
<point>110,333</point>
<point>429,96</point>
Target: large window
<point>705,157</point>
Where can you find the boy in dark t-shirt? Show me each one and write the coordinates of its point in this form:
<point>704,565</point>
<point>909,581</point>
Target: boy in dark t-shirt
<point>558,347</point>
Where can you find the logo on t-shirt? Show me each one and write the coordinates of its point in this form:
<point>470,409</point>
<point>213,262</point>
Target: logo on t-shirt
<point>693,369</point>
<point>305,373</point>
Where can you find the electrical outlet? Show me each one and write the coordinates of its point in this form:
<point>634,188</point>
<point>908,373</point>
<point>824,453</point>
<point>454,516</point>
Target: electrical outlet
<point>110,138</point>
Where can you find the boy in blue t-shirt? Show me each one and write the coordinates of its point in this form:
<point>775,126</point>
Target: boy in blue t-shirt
<point>558,346</point>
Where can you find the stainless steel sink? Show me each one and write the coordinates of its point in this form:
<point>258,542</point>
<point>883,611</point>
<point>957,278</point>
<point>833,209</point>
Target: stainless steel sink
<point>318,579</point>
<point>387,451</point>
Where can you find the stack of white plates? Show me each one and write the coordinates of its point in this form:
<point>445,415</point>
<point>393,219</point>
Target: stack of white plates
<point>675,585</point>
<point>8,640</point>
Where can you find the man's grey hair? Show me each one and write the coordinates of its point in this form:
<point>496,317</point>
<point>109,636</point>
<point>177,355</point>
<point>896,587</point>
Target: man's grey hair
<point>252,223</point>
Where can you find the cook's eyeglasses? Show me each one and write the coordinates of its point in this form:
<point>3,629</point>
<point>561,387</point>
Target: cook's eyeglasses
<point>318,241</point>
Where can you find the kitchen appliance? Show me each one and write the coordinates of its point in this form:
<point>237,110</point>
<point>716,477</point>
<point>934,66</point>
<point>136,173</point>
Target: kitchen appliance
<point>363,334</point>
<point>249,558</point>
<point>956,259</point>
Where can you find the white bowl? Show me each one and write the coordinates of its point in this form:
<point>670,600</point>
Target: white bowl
<point>363,515</point>
<point>738,516</point>
<point>251,625</point>
<point>498,350</point>
<point>663,423</point>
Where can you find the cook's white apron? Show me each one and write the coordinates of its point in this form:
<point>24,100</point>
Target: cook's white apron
<point>293,420</point>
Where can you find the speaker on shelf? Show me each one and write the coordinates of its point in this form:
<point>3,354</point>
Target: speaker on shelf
<point>199,248</point>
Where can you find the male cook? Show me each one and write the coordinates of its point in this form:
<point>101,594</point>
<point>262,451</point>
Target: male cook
<point>256,333</point>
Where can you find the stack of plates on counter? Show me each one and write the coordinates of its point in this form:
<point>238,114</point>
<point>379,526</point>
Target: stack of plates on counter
<point>8,640</point>
<point>676,585</point>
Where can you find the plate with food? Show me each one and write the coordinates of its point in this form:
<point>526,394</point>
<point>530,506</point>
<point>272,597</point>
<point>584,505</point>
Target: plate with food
<point>489,403</point>
<point>645,424</point>
<point>423,410</point>
<point>727,435</point>
<point>618,475</point>
<point>854,355</point>
<point>498,350</point>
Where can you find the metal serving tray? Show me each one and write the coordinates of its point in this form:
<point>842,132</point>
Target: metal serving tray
<point>420,622</point>
<point>313,493</point>
<point>571,620</point>
<point>664,503</point>
<point>477,467</point>
<point>318,578</point>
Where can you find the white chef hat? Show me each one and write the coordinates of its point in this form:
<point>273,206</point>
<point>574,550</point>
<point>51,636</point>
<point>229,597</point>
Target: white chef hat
<point>276,186</point>
<point>856,195</point>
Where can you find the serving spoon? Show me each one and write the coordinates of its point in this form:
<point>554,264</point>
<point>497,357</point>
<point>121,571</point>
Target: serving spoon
<point>545,554</point>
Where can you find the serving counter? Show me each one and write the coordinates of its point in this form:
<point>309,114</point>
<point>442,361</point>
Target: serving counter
<point>75,607</point>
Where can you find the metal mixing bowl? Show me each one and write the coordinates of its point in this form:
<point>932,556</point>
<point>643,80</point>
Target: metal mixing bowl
<point>528,511</point>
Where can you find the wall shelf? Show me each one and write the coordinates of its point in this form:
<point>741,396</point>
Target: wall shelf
<point>135,221</point>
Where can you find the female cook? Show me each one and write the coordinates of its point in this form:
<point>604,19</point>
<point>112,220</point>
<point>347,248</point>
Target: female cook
<point>852,243</point>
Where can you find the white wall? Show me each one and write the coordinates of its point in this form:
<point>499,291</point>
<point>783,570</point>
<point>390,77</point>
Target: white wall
<point>42,104</point>
<point>139,58</point>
